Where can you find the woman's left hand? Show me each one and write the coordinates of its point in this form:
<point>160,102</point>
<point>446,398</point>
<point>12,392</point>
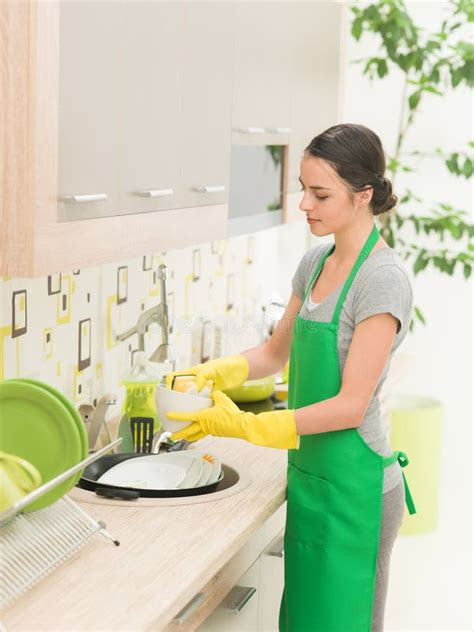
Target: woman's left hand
<point>275,429</point>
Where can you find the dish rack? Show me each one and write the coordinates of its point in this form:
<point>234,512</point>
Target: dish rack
<point>32,545</point>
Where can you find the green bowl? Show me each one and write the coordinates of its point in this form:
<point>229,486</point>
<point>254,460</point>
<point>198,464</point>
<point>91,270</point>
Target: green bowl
<point>252,390</point>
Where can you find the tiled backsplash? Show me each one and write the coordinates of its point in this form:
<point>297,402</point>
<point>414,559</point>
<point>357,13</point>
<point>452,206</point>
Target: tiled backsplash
<point>62,328</point>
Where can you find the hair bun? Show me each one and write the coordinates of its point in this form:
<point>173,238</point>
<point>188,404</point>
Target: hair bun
<point>386,200</point>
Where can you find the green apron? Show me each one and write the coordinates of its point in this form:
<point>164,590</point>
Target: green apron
<point>334,494</point>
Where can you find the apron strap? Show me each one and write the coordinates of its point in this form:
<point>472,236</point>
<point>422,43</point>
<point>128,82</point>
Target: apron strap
<point>317,271</point>
<point>372,239</point>
<point>402,459</point>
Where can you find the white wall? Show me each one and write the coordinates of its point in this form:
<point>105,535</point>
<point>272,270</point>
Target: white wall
<point>430,585</point>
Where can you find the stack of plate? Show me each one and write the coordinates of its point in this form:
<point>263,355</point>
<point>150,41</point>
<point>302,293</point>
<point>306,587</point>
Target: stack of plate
<point>184,470</point>
<point>39,424</point>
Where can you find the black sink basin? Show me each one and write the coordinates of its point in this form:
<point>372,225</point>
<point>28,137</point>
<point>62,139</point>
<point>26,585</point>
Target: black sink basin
<point>94,471</point>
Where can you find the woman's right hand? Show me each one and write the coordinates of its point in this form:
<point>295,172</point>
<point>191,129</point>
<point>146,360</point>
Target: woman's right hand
<point>227,372</point>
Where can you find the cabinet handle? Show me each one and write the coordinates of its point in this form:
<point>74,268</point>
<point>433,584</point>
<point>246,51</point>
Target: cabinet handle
<point>252,130</point>
<point>155,193</point>
<point>276,547</point>
<point>281,130</point>
<point>91,197</point>
<point>237,598</point>
<point>189,608</point>
<point>216,189</point>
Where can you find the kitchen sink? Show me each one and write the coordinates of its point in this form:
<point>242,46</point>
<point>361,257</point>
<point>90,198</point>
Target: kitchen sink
<point>231,483</point>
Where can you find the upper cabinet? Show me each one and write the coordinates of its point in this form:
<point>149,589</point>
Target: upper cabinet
<point>89,108</point>
<point>122,117</point>
<point>149,130</point>
<point>262,73</point>
<point>145,120</point>
<point>204,134</point>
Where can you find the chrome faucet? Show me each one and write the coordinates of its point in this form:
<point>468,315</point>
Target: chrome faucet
<point>165,353</point>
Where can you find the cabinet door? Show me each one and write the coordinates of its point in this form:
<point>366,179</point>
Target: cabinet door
<point>238,612</point>
<point>271,585</point>
<point>90,54</point>
<point>261,99</point>
<point>315,87</point>
<point>151,81</point>
<point>205,129</point>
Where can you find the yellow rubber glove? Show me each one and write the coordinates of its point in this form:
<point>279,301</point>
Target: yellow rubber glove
<point>273,429</point>
<point>227,372</point>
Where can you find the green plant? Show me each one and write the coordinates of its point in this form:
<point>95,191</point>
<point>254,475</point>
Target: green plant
<point>431,64</point>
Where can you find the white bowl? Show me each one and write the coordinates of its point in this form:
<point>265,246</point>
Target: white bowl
<point>167,400</point>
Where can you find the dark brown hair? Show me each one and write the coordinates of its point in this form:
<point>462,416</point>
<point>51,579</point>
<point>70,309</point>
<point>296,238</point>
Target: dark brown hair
<point>357,155</point>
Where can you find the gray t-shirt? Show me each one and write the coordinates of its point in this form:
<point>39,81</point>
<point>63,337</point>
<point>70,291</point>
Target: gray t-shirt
<point>381,285</point>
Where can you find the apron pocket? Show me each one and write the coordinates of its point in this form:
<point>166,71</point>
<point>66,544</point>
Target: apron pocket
<point>307,508</point>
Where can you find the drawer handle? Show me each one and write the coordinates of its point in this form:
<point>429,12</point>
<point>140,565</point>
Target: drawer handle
<point>237,598</point>
<point>91,197</point>
<point>215,189</point>
<point>189,608</point>
<point>281,130</point>
<point>252,130</point>
<point>155,193</point>
<point>276,547</point>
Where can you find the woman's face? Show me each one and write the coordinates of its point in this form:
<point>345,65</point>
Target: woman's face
<point>326,200</point>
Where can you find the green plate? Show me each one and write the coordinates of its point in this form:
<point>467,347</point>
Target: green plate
<point>72,410</point>
<point>36,426</point>
<point>252,390</point>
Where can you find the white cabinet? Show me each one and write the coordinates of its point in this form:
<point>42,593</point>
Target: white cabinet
<point>238,600</point>
<point>150,155</point>
<point>204,137</point>
<point>90,86</point>
<point>145,106</point>
<point>135,107</point>
<point>262,67</point>
<point>271,583</point>
<point>239,611</point>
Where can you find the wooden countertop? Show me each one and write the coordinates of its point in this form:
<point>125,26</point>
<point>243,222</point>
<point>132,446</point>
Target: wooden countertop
<point>166,553</point>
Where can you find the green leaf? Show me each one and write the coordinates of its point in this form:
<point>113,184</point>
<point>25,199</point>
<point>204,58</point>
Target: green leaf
<point>414,99</point>
<point>382,68</point>
<point>466,49</point>
<point>420,263</point>
<point>439,263</point>
<point>467,270</point>
<point>467,168</point>
<point>468,72</point>
<point>356,29</point>
<point>456,231</point>
<point>456,77</point>
<point>433,91</point>
<point>419,314</point>
<point>452,163</point>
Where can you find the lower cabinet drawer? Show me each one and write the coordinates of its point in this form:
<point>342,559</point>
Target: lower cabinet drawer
<point>229,597</point>
<point>238,612</point>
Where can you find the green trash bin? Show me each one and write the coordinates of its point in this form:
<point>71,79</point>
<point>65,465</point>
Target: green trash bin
<point>416,423</point>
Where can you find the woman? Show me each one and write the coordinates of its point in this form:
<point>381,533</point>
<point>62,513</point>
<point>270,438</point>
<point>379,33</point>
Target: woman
<point>349,311</point>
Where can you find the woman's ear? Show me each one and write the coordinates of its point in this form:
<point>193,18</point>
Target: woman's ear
<point>363,197</point>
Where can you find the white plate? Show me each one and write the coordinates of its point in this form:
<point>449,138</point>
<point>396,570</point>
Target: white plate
<point>193,475</point>
<point>205,473</point>
<point>209,459</point>
<point>164,471</point>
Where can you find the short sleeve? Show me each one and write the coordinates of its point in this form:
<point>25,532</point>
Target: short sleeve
<point>302,275</point>
<point>385,290</point>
